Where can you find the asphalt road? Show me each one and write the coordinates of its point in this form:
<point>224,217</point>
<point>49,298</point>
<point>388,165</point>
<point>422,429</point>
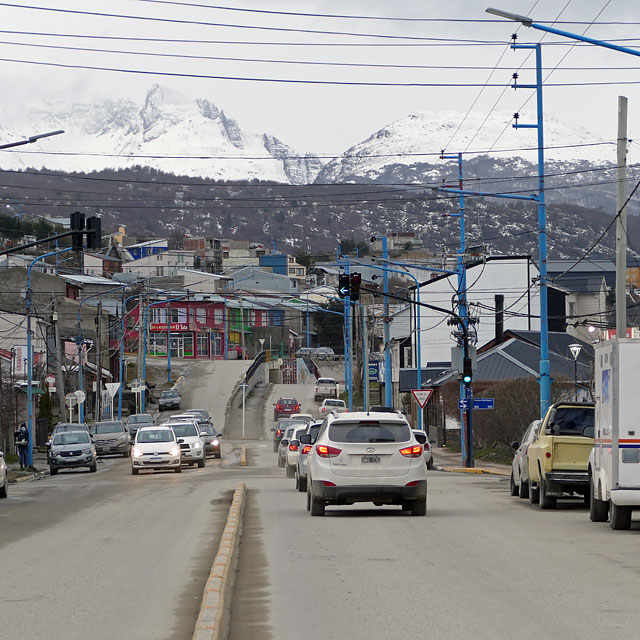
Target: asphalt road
<point>480,565</point>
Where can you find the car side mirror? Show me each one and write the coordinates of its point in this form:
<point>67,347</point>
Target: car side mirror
<point>180,440</point>
<point>284,443</point>
<point>432,442</point>
<point>273,428</point>
<point>274,404</point>
<point>1,454</point>
<point>588,432</point>
<point>305,438</point>
<point>514,445</point>
<point>295,443</point>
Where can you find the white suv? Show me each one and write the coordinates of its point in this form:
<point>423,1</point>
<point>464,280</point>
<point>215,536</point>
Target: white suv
<point>367,457</point>
<point>190,441</point>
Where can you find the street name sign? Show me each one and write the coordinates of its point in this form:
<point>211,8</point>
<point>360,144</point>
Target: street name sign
<point>478,403</point>
<point>422,396</point>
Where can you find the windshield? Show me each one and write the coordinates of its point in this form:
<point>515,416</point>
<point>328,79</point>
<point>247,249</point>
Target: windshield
<point>570,421</point>
<point>72,437</point>
<point>141,418</point>
<point>326,381</point>
<point>334,403</point>
<point>186,429</point>
<point>108,427</point>
<point>156,435</point>
<point>208,430</point>
<point>288,401</point>
<point>369,432</point>
<point>199,413</point>
<point>313,431</point>
<point>169,394</point>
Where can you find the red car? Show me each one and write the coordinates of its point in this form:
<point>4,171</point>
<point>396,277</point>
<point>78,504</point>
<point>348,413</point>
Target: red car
<point>285,407</point>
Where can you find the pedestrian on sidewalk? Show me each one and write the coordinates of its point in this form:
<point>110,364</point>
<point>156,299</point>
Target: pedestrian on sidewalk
<point>21,437</point>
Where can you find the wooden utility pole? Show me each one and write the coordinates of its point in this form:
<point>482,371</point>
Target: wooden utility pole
<point>97,413</point>
<point>62,409</point>
<point>621,222</point>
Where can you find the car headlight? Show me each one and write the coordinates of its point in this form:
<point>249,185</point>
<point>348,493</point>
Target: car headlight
<point>87,452</point>
<point>174,451</point>
<point>137,453</point>
<point>216,442</point>
<point>196,445</point>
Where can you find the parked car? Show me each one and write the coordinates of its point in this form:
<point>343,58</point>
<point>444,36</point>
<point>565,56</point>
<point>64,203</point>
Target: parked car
<point>325,388</point>
<point>279,430</point>
<point>169,399</point>
<point>3,476</point>
<point>211,440</point>
<point>307,440</point>
<point>307,418</point>
<point>284,444</point>
<point>190,441</point>
<point>292,453</point>
<point>111,437</point>
<point>558,457</point>
<point>285,407</point>
<point>71,449</point>
<point>362,457</point>
<point>331,404</point>
<point>155,448</point>
<point>422,439</point>
<point>519,483</point>
<point>138,420</point>
<point>325,353</point>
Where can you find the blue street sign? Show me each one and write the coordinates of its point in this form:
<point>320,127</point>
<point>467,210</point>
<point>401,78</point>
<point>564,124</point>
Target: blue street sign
<point>478,403</point>
<point>374,371</point>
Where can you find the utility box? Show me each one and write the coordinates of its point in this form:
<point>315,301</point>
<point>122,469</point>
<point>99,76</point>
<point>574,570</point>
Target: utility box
<point>614,464</point>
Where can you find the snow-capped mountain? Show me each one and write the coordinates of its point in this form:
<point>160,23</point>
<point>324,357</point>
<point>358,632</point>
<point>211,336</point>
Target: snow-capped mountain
<point>169,132</point>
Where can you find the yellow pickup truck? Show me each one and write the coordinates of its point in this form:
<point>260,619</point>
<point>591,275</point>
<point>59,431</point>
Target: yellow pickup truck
<point>558,456</point>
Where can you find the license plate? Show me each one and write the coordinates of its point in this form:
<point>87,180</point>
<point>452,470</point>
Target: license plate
<point>370,459</point>
<point>155,459</point>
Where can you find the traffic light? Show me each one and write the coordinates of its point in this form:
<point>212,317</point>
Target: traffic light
<point>356,278</point>
<point>94,233</point>
<point>467,372</point>
<point>343,285</point>
<point>77,225</point>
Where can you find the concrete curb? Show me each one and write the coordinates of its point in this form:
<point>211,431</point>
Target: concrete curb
<point>243,457</point>
<point>31,476</point>
<point>476,470</point>
<point>213,621</point>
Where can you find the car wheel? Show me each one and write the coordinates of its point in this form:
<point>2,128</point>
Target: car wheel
<point>280,462</point>
<point>419,507</point>
<point>598,509</point>
<point>619,517</point>
<point>290,471</point>
<point>534,493</point>
<point>430,464</point>
<point>178,469</point>
<point>134,471</point>
<point>53,471</point>
<point>523,488</point>
<point>297,483</point>
<point>218,455</point>
<point>127,453</point>
<point>201,464</point>
<point>545,501</point>
<point>3,490</point>
<point>513,487</point>
<point>317,506</point>
<point>308,499</point>
<point>303,484</point>
<point>275,447</point>
<point>406,506</point>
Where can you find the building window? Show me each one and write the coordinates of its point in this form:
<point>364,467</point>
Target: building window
<point>175,316</point>
<point>203,345</point>
<point>201,314</point>
<point>192,315</point>
<point>218,317</point>
<point>158,315</point>
<point>182,315</point>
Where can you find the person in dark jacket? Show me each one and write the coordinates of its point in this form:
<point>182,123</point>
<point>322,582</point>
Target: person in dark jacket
<point>22,443</point>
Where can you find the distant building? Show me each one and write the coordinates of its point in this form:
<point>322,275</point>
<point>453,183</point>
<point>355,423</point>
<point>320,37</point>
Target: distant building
<point>207,253</point>
<point>284,265</point>
<point>160,263</point>
<point>240,253</point>
<point>100,264</point>
<point>259,281</point>
<point>148,248</point>
<point>398,241</point>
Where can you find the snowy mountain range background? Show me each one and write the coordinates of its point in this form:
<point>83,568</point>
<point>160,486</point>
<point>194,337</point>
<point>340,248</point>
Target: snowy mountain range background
<point>223,168</point>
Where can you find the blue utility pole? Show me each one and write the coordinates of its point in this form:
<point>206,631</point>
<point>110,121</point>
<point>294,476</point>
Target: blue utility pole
<point>30,355</point>
<point>347,339</point>
<point>466,392</point>
<point>388,385</point>
<point>122,338</point>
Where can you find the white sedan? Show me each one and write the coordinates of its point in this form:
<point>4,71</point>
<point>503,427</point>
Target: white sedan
<point>155,448</point>
<point>3,476</point>
<point>332,404</point>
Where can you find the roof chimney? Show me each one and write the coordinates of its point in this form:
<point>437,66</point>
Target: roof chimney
<point>499,298</point>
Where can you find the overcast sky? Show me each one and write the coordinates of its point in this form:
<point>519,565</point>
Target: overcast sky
<point>323,119</point>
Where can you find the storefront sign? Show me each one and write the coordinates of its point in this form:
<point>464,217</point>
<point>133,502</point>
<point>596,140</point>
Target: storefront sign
<point>175,326</point>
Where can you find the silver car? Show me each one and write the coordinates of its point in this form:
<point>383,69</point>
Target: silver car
<point>421,437</point>
<point>3,476</point>
<point>72,449</point>
<point>283,447</point>
<point>138,420</point>
<point>306,442</point>
<point>519,483</point>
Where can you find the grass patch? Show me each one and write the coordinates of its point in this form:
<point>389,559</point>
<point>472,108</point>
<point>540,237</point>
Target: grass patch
<point>11,457</point>
<point>497,455</point>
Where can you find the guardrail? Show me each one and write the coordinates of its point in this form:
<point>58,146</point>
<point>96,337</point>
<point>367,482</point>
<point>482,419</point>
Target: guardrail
<point>261,358</point>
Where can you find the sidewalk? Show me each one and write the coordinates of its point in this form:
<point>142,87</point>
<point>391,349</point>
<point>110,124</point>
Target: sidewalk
<point>39,463</point>
<point>445,460</point>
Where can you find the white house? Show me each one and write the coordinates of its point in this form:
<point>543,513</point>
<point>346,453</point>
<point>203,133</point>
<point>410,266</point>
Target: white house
<point>165,263</point>
<point>514,277</point>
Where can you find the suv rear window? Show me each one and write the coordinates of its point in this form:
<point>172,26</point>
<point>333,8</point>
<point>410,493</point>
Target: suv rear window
<point>334,403</point>
<point>326,381</point>
<point>570,421</point>
<point>372,431</point>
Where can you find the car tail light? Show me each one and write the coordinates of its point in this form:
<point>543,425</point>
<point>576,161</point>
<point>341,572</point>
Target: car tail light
<point>426,446</point>
<point>413,483</point>
<point>279,407</point>
<point>326,483</point>
<point>325,451</point>
<point>324,409</point>
<point>297,408</point>
<point>278,433</point>
<point>293,447</point>
<point>548,454</point>
<point>306,449</point>
<point>412,452</point>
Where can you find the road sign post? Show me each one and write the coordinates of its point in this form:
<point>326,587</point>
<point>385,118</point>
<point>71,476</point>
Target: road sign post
<point>112,389</point>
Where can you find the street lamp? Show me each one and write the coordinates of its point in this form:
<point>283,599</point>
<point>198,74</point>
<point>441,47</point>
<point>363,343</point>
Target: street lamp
<point>31,139</point>
<point>575,352</point>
